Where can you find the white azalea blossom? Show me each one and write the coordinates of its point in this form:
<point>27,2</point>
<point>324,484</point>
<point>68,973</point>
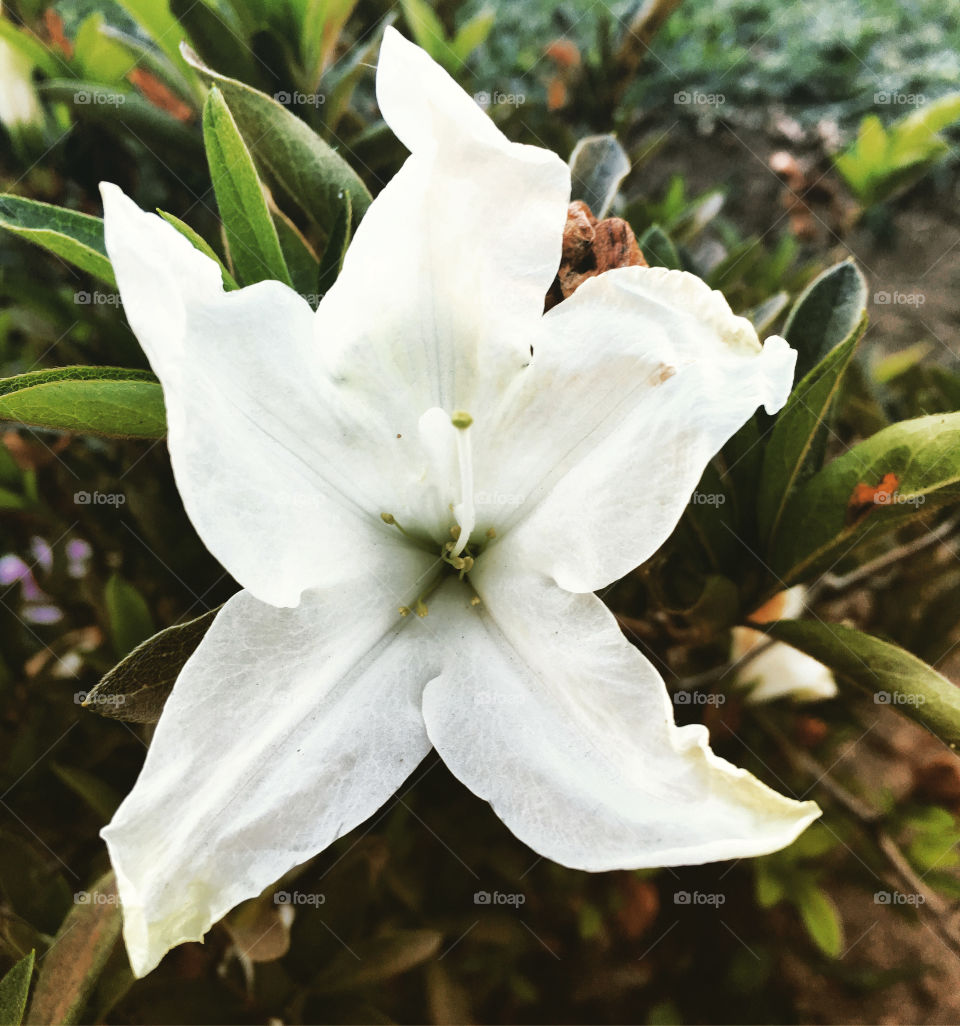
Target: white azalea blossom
<point>19,105</point>
<point>779,670</point>
<point>418,487</point>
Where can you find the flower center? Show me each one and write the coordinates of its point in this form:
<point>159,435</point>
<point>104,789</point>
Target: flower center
<point>459,553</point>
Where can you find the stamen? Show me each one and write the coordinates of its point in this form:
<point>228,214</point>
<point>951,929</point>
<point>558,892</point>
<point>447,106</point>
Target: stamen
<point>421,608</point>
<point>466,511</point>
<point>389,518</point>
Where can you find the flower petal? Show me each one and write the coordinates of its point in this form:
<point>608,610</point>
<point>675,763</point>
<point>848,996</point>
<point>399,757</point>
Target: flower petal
<point>446,276</point>
<point>637,380</point>
<point>780,671</point>
<point>545,710</point>
<point>275,462</point>
<point>286,728</point>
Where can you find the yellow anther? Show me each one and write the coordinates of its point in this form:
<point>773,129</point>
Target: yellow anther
<point>491,533</point>
<point>475,601</point>
<point>388,518</point>
<point>421,608</point>
<point>403,610</point>
<point>461,419</point>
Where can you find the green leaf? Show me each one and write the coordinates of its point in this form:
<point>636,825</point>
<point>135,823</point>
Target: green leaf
<point>312,175</point>
<point>336,248</point>
<point>657,248</point>
<point>14,988</point>
<point>137,687</point>
<point>229,282</point>
<point>251,237</point>
<point>598,165</point>
<point>473,33</point>
<point>768,886</point>
<point>380,959</point>
<point>712,515</point>
<point>76,237</point>
<point>763,315</point>
<point>32,48</point>
<point>820,917</point>
<point>826,323</point>
<point>110,401</point>
<point>820,523</point>
<point>428,32</point>
<point>77,956</point>
<point>124,113</point>
<point>320,28</point>
<point>826,313</point>
<point>895,677</point>
<point>101,58</point>
<point>300,259</point>
<point>98,794</point>
<point>128,615</point>
<point>214,39</point>
<point>156,19</point>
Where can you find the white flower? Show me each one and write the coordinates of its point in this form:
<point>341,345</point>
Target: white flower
<point>779,670</point>
<point>18,97</point>
<point>291,433</point>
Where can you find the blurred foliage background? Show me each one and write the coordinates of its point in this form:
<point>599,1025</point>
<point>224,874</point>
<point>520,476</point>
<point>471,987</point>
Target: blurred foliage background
<point>767,142</point>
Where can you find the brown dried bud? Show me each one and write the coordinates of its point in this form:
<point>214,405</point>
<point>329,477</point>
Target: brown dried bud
<point>591,247</point>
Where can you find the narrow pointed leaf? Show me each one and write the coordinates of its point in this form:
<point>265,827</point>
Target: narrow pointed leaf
<point>77,238</point>
<point>110,401</point>
<point>825,324</point>
<point>473,33</point>
<point>895,677</point>
<point>657,248</point>
<point>76,957</point>
<point>300,259</point>
<point>598,165</point>
<point>379,960</point>
<point>825,314</point>
<point>336,248</point>
<point>251,236</point>
<point>137,687</point>
<point>908,469</point>
<point>31,47</point>
<point>229,282</point>
<point>295,158</point>
<point>14,988</point>
<point>820,917</point>
<point>156,19</point>
<point>124,113</point>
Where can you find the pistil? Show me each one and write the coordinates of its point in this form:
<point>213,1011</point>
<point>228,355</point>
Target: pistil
<point>466,512</point>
